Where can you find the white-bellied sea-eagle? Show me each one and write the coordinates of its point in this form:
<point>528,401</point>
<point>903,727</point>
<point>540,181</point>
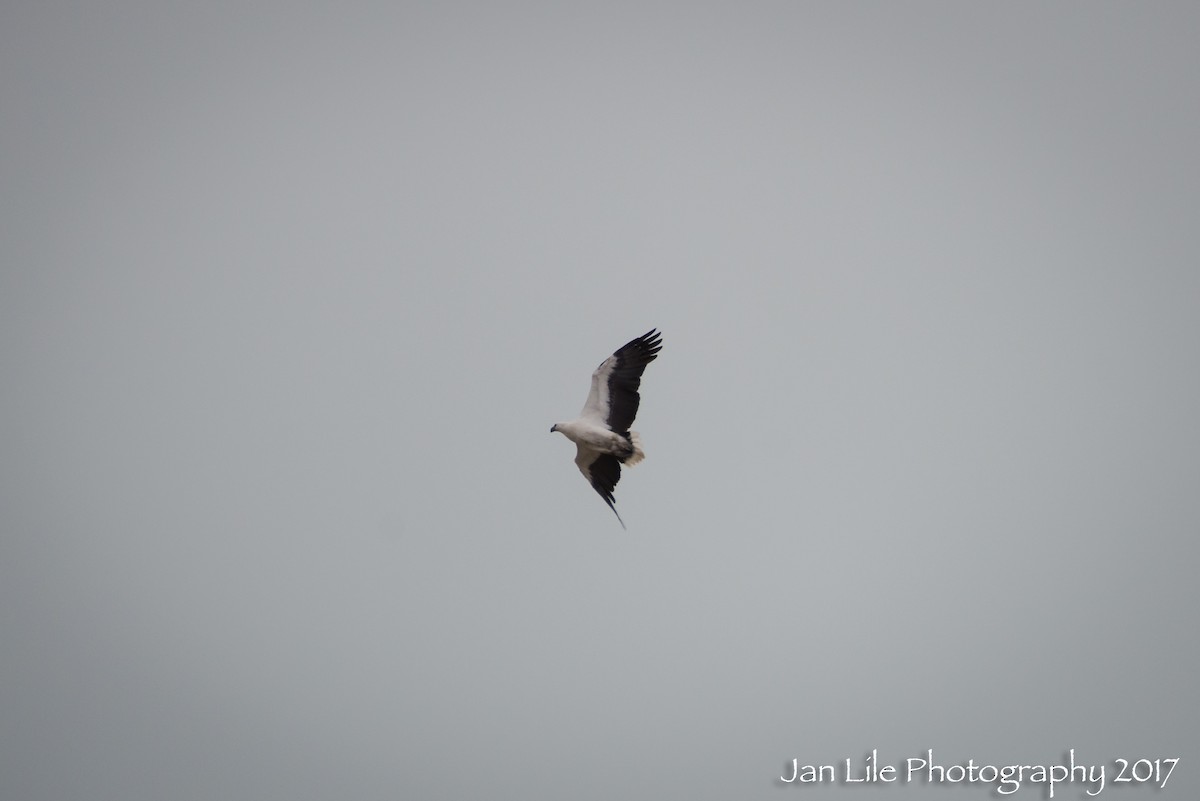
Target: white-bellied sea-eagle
<point>601,434</point>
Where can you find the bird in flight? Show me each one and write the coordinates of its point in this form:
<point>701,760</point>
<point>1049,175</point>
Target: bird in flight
<point>601,434</point>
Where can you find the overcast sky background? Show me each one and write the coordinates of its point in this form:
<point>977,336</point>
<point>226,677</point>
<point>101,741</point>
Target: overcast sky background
<point>291,294</point>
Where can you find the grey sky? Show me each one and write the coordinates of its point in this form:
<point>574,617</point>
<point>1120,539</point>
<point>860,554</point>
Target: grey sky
<point>290,296</point>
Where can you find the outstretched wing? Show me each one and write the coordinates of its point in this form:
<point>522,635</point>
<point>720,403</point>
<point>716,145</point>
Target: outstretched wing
<point>602,471</point>
<point>614,399</point>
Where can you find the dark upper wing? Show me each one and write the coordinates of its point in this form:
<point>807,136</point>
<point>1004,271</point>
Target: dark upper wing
<point>614,397</point>
<point>602,471</point>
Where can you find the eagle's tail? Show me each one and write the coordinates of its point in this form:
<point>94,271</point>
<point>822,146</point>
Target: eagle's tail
<point>638,454</point>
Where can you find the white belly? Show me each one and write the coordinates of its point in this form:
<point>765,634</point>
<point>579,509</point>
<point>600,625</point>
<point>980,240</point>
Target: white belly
<point>594,437</point>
